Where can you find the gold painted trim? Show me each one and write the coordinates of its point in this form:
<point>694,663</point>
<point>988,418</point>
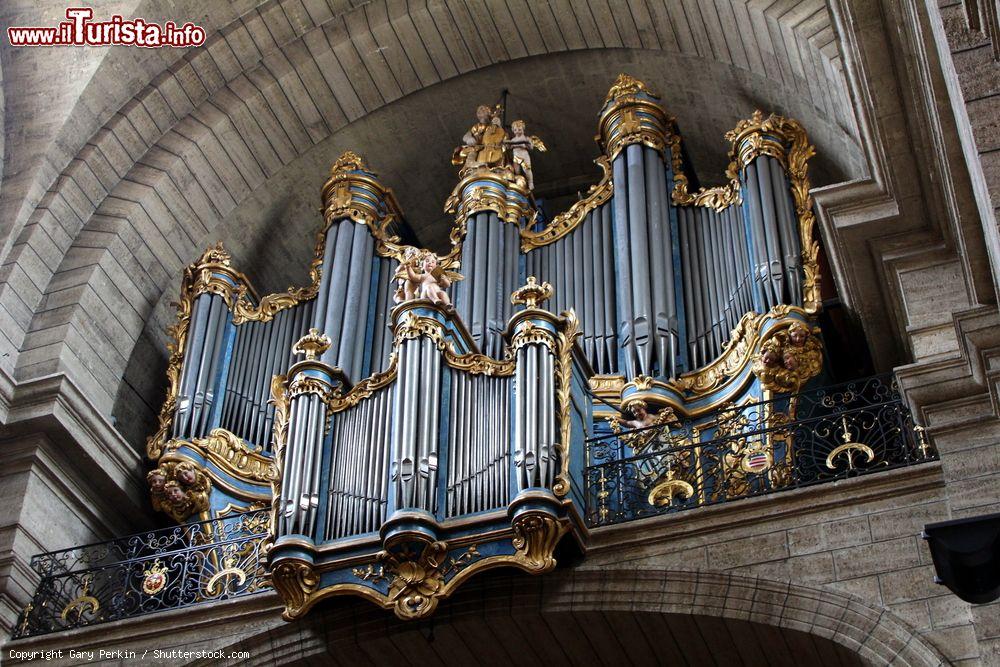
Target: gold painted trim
<point>565,222</point>
<point>534,540</point>
<point>737,354</point>
<point>216,479</point>
<point>569,332</point>
<point>230,453</point>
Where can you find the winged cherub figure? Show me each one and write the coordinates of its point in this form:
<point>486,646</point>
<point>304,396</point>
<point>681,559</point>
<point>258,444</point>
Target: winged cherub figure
<point>520,144</point>
<point>422,276</point>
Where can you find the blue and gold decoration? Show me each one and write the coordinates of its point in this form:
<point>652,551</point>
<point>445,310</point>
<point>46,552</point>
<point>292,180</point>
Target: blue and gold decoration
<point>412,419</point>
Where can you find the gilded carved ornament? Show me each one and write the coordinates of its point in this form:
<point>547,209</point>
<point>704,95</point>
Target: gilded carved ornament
<point>296,581</point>
<point>231,454</point>
<point>788,358</point>
<point>421,274</point>
<point>416,584</point>
<point>565,222</point>
<point>279,438</point>
<point>531,293</point>
<point>179,488</point>
<point>312,345</point>
<point>536,535</point>
<point>631,115</point>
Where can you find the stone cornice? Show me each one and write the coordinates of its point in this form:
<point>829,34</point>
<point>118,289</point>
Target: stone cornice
<point>54,407</point>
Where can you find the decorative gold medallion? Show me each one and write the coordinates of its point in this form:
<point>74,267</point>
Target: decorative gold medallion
<point>154,578</point>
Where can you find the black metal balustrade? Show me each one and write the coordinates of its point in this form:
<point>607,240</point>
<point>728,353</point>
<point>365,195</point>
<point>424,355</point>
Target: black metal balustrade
<point>743,451</point>
<point>147,572</point>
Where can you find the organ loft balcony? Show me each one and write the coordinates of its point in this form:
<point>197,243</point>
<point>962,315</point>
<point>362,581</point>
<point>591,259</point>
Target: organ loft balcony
<point>414,418</point>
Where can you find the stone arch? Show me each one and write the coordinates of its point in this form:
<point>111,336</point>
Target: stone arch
<point>614,607</point>
<point>154,183</point>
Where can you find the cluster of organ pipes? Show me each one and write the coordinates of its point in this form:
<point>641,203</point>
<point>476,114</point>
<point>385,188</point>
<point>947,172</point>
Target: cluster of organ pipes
<point>580,272</point>
<point>479,428</point>
<point>260,351</point>
<point>416,413</point>
<point>359,455</point>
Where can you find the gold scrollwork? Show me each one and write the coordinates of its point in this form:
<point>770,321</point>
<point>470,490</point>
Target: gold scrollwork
<point>296,581</point>
<point>414,326</point>
<point>230,453</point>
<point>416,584</point>
<point>565,222</point>
<point>84,603</point>
<point>536,535</point>
<point>569,332</point>
<point>279,437</point>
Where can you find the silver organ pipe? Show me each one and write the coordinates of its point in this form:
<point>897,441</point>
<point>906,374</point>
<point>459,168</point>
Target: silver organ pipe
<point>490,258</point>
<point>192,357</point>
<point>260,350</point>
<point>776,248</point>
<point>582,273</point>
<point>535,457</point>
<point>415,424</point>
<point>358,466</point>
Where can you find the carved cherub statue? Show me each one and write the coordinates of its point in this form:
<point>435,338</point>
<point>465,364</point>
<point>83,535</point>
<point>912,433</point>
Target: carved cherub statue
<point>520,144</point>
<point>421,276</point>
<point>636,415</point>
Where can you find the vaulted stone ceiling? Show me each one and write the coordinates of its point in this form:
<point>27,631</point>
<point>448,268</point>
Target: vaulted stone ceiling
<point>164,152</point>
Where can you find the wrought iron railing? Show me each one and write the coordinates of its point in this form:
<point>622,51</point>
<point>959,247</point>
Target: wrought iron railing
<point>790,442</point>
<point>147,572</point>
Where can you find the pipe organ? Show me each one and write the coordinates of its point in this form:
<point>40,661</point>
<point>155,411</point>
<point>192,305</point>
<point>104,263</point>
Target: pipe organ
<point>413,418</point>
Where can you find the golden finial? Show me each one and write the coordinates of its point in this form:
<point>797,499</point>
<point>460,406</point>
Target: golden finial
<point>312,344</point>
<point>627,85</point>
<point>215,254</point>
<point>348,161</point>
<point>532,293</point>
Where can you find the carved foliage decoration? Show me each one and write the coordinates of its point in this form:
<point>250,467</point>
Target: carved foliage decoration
<point>295,581</point>
<point>230,453</point>
<point>788,358</point>
<point>179,488</point>
<point>536,535</point>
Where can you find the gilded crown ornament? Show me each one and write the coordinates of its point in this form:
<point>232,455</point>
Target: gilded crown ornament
<point>312,345</point>
<point>532,293</point>
<point>348,161</point>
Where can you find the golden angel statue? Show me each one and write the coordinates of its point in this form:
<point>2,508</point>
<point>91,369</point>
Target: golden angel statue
<point>474,151</point>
